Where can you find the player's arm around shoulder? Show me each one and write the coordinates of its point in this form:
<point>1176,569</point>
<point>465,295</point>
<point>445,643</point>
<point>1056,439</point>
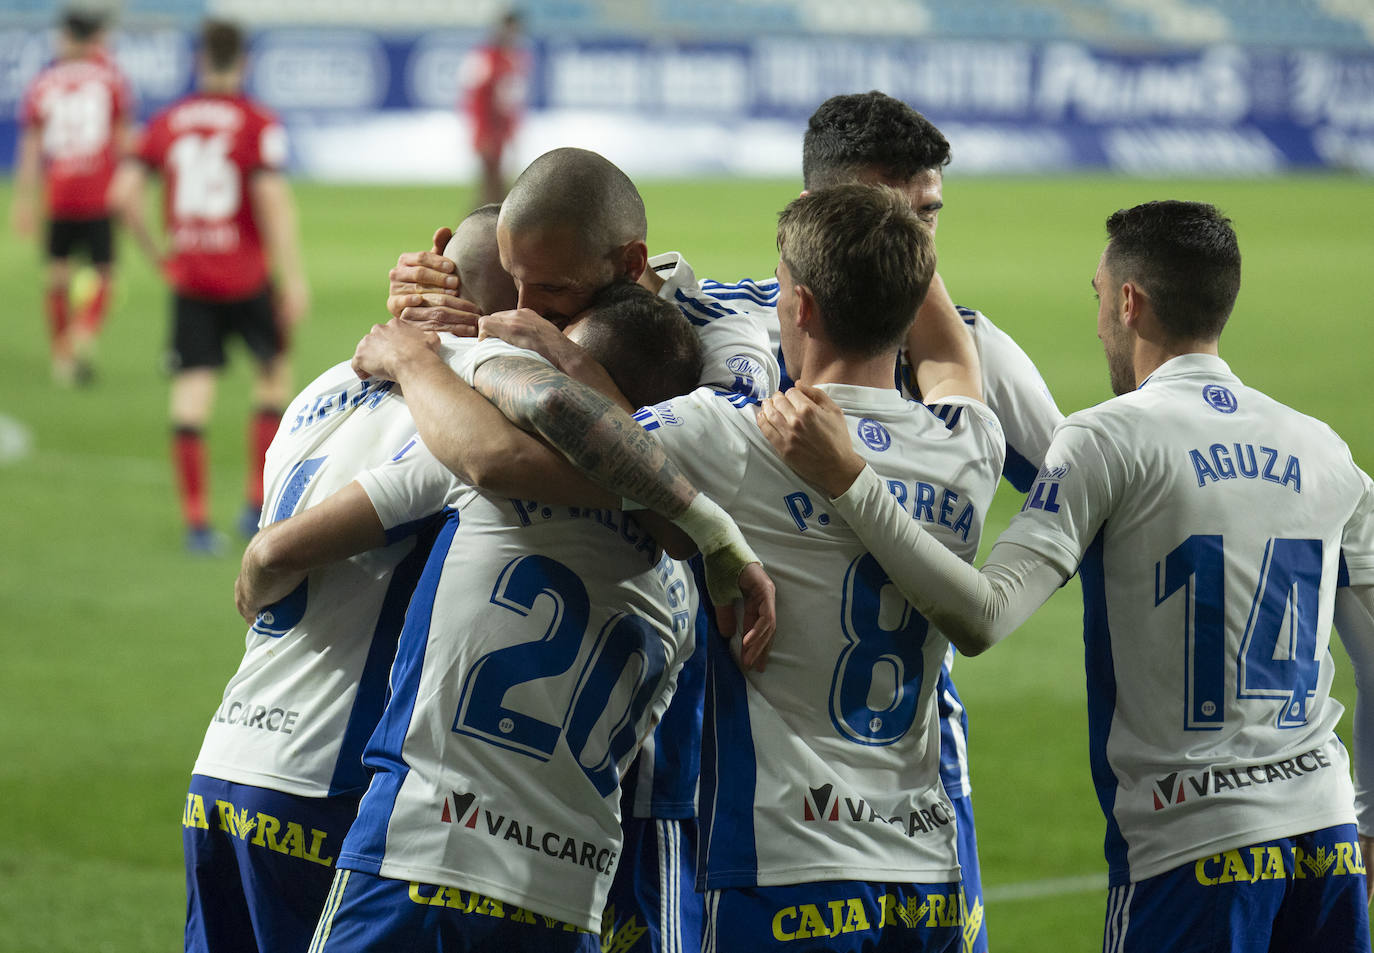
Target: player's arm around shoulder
<point>943,355</point>
<point>280,555</point>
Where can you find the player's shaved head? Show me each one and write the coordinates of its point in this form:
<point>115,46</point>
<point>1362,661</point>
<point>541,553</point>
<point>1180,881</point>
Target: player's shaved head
<point>645,343</point>
<point>474,250</point>
<point>581,192</point>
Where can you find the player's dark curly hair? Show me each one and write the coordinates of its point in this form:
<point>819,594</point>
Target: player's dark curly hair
<point>866,258</point>
<point>1185,257</point>
<point>650,350</point>
<point>850,133</point>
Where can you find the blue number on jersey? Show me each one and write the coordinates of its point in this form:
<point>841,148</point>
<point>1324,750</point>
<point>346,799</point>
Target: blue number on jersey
<point>286,613</point>
<point>625,644</point>
<point>1289,580</point>
<point>887,662</point>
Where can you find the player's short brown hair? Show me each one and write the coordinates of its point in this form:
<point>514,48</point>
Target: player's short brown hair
<point>866,258</point>
<point>1185,257</point>
<point>222,44</point>
<point>650,350</point>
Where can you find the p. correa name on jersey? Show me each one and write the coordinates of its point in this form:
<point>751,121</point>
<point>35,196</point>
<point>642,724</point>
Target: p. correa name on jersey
<point>465,810</point>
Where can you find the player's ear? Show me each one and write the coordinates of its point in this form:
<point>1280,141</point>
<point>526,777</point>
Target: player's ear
<point>633,259</point>
<point>807,315</point>
<point>1132,304</point>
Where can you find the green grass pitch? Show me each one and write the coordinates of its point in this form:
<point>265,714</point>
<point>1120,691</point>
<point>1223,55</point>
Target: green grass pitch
<point>118,645</point>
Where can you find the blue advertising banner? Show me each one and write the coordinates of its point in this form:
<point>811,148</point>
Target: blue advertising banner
<point>353,98</point>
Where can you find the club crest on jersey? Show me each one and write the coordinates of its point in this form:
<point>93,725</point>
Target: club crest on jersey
<point>1220,399</point>
<point>875,435</point>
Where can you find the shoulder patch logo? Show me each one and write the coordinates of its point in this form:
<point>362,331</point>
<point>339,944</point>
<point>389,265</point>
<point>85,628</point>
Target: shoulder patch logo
<point>874,435</point>
<point>1220,399</point>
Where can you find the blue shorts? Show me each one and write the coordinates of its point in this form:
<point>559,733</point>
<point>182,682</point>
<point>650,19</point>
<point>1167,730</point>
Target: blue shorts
<point>368,913</point>
<point>837,916</point>
<point>258,864</point>
<point>653,906</point>
<point>970,879</point>
<point>1295,893</point>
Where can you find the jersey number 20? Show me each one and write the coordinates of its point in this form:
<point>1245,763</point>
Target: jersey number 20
<point>597,734</point>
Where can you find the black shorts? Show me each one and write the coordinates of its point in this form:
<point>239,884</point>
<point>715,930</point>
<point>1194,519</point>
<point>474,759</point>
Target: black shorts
<point>200,328</point>
<point>93,234</point>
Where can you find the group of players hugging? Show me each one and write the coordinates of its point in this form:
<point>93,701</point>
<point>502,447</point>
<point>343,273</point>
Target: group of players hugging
<point>629,624</point>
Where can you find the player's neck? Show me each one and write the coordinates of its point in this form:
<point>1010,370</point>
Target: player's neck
<point>823,365</point>
<point>221,84</point>
<point>1150,356</point>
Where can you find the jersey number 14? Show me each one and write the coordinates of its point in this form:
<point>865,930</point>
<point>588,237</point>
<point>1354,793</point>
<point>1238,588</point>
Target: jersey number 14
<point>1277,655</point>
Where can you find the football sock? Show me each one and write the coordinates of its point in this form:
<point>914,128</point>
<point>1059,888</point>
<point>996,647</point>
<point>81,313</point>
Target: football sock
<point>262,427</point>
<point>93,314</point>
<point>188,457</point>
<point>58,313</point>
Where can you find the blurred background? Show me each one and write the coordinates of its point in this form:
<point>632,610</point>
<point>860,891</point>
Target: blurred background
<point>117,644</point>
<point>1179,87</point>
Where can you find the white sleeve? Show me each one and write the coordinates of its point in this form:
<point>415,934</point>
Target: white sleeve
<point>701,440</point>
<point>464,355</point>
<point>1014,389</point>
<point>736,355</point>
<point>1072,497</point>
<point>411,485</point>
<point>1357,539</point>
<point>974,609</point>
<point>1354,620</point>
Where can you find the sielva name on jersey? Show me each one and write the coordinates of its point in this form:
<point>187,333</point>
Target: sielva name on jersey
<point>465,810</point>
<point>826,803</point>
<point>1179,788</point>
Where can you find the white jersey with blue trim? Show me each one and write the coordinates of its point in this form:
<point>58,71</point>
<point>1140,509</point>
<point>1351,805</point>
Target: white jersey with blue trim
<point>1014,389</point>
<point>825,767</point>
<point>1213,526</point>
<point>312,682</point>
<point>733,324</point>
<point>541,645</point>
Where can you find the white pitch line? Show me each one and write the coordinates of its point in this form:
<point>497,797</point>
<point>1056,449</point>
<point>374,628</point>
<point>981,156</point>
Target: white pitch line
<point>1037,889</point>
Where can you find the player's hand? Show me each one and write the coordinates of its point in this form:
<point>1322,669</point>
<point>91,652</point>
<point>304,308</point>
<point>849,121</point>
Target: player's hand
<point>809,432</point>
<point>257,587</point>
<point>760,617</point>
<point>420,273</point>
<point>525,328</point>
<point>387,347</point>
<point>292,301</point>
<point>440,312</point>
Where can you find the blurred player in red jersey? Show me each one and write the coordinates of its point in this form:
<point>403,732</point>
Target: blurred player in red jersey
<point>493,97</point>
<point>228,210</point>
<point>75,117</point>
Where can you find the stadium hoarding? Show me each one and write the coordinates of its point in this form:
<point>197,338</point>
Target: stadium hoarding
<point>725,107</point>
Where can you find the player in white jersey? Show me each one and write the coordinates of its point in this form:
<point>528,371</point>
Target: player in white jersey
<point>821,789</point>
<point>1217,533</point>
<point>560,248</point>
<point>871,137</point>
<point>280,772</point>
<point>496,764</point>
